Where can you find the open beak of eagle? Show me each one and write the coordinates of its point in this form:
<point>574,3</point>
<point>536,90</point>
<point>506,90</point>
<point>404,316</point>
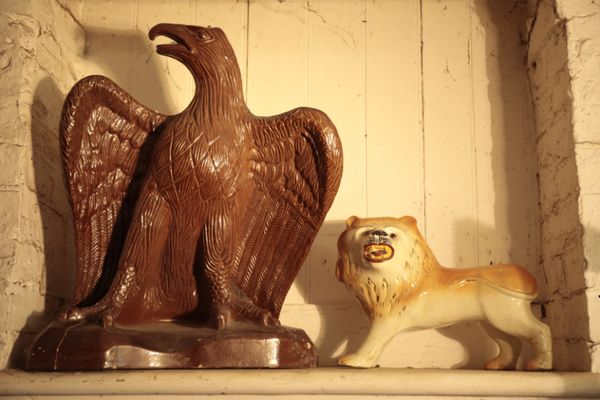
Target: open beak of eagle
<point>180,34</point>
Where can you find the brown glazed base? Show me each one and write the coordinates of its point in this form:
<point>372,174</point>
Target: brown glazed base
<point>79,346</point>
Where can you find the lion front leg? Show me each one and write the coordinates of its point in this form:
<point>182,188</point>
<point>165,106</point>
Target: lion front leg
<point>382,330</point>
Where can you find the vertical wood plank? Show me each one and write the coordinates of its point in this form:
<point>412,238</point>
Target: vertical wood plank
<point>232,17</point>
<point>102,22</point>
<point>393,113</point>
<point>337,86</point>
<point>506,181</point>
<point>102,14</point>
<point>277,56</point>
<point>277,76</point>
<point>485,101</point>
<point>178,81</point>
<point>451,201</point>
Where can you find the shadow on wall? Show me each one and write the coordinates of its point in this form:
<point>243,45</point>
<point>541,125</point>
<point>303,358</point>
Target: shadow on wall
<point>54,210</point>
<point>342,323</point>
<point>129,59</point>
<point>514,165</point>
<point>52,197</point>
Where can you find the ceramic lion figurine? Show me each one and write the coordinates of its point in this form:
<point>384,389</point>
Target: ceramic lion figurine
<point>392,271</point>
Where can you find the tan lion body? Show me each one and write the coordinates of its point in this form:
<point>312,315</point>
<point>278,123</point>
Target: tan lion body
<point>388,265</point>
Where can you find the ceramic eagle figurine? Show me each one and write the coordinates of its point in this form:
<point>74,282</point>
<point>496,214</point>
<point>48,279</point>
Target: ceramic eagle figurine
<point>210,212</point>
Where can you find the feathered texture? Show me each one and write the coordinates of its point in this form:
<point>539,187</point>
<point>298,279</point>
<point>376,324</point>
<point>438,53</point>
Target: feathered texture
<point>219,210</point>
<point>296,167</point>
<point>103,133</point>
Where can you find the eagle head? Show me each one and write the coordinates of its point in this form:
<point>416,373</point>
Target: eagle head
<point>204,50</point>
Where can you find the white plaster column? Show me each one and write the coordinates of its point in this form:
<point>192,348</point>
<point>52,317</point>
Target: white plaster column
<point>40,43</point>
<point>564,65</point>
<point>582,22</point>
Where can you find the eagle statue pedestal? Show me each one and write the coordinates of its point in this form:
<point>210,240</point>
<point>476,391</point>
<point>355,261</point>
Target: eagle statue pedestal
<point>76,346</point>
<point>190,228</point>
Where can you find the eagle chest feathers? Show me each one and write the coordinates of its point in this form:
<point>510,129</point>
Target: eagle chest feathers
<point>201,160</point>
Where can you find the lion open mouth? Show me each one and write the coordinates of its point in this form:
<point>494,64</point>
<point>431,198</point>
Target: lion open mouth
<point>378,252</point>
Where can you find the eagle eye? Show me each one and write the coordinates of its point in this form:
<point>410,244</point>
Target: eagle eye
<point>203,35</point>
<point>393,235</point>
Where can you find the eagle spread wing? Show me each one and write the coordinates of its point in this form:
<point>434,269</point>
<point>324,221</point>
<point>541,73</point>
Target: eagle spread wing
<point>103,132</point>
<point>296,168</point>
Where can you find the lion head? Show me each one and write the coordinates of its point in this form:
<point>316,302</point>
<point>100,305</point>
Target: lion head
<point>381,260</point>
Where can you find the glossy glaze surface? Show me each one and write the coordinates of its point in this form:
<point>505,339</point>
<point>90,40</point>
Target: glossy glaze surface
<point>410,290</point>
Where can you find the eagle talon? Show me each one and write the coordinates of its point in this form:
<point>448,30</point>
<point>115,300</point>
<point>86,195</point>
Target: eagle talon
<point>242,310</point>
<point>70,315</point>
<point>253,313</point>
<point>222,316</point>
<point>99,312</point>
<point>108,319</point>
<point>269,320</point>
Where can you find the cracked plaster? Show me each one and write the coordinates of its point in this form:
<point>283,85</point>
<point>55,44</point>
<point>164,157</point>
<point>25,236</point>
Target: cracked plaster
<point>563,60</point>
<point>39,49</point>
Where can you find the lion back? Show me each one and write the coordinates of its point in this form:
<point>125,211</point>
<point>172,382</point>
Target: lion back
<point>510,277</point>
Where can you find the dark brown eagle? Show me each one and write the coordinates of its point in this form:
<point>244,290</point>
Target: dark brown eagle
<point>208,212</point>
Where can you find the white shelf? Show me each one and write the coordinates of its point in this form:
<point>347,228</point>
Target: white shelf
<point>322,382</point>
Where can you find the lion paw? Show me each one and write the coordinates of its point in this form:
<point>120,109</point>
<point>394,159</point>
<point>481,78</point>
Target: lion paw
<point>542,362</point>
<point>496,364</point>
<point>356,361</point>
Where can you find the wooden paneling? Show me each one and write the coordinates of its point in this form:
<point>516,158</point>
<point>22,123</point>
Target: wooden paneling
<point>277,56</point>
<point>337,86</point>
<point>450,200</point>
<point>394,151</point>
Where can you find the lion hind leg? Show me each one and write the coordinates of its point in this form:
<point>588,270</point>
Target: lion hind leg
<point>381,332</point>
<point>542,341</point>
<point>506,346</point>
<point>522,323</point>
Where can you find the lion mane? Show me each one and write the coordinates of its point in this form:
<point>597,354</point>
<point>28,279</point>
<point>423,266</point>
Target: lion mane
<point>383,293</point>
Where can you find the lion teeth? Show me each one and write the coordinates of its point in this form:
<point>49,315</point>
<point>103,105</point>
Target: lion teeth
<point>378,252</point>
